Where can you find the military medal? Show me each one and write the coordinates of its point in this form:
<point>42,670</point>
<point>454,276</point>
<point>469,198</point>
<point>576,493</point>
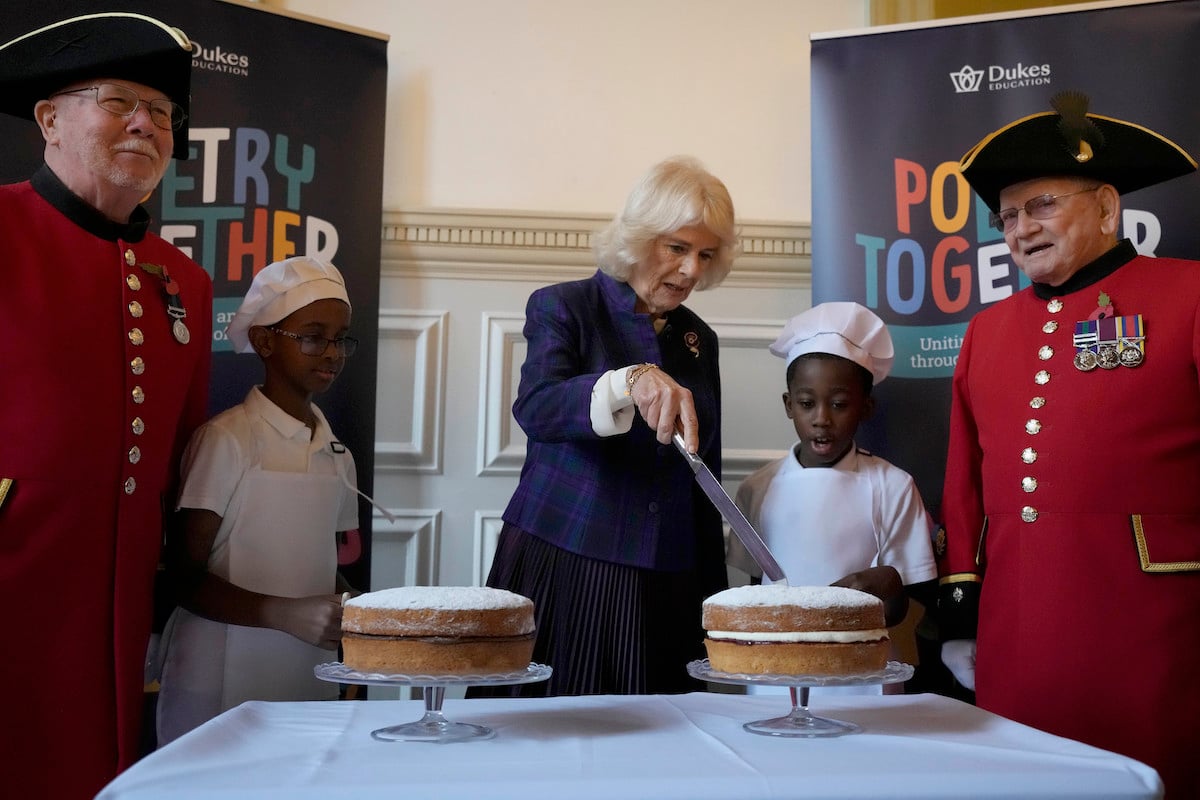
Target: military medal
<point>175,309</point>
<point>1108,341</point>
<point>181,332</point>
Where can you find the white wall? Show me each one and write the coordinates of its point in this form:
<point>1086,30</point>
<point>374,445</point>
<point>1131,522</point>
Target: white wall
<point>558,105</point>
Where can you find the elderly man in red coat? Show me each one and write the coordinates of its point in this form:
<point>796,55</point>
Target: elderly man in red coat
<point>1072,510</point>
<point>105,375</point>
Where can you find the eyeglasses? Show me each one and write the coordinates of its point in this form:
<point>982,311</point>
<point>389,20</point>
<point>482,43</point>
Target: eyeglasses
<point>1044,206</point>
<point>311,345</point>
<point>124,102</point>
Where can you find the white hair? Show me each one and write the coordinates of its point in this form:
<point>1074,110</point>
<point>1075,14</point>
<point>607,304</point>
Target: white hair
<point>673,194</point>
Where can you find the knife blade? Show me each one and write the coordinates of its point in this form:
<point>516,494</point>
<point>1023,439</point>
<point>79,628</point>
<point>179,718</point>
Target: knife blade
<point>738,523</point>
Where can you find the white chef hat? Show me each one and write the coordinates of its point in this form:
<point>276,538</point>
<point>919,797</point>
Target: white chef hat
<point>842,329</point>
<point>278,290</point>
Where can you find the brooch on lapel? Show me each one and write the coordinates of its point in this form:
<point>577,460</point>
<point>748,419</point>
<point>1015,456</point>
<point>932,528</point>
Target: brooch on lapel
<point>692,341</point>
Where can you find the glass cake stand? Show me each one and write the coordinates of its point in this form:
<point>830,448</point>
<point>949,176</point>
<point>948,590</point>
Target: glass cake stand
<point>433,727</point>
<point>801,722</point>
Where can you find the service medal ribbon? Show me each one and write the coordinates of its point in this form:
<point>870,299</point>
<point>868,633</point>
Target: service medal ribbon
<point>175,310</point>
<point>1110,342</point>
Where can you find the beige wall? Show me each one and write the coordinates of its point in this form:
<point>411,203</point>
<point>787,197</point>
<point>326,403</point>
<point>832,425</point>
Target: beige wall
<point>557,105</point>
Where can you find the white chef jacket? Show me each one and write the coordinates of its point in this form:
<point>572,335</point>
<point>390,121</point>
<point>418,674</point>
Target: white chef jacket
<point>822,523</point>
<point>282,492</point>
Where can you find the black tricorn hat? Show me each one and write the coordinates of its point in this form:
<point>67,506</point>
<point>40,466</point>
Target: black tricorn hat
<point>1071,142</point>
<point>119,45</point>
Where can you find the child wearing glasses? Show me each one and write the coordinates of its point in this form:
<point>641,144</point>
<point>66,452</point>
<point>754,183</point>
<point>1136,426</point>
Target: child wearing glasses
<point>830,512</point>
<point>266,489</point>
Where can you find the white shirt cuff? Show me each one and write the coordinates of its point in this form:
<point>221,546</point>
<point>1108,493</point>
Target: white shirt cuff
<point>612,411</point>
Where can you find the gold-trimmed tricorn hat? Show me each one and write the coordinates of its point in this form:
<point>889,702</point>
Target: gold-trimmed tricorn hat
<point>119,45</point>
<point>1071,142</point>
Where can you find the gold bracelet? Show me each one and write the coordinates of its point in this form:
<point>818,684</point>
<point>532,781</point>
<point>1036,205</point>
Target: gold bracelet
<point>634,374</point>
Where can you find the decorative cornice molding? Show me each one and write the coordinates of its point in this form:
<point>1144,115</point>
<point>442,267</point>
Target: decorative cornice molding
<point>489,245</point>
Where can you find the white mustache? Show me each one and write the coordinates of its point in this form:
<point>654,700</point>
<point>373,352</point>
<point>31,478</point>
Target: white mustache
<point>137,146</point>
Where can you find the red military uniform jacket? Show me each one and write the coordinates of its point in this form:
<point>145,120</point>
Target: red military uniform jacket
<point>1088,485</point>
<point>99,398</point>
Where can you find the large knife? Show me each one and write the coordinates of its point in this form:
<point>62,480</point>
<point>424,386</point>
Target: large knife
<point>733,515</point>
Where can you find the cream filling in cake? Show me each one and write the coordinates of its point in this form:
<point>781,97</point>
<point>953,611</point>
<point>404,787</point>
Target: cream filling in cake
<point>801,636</point>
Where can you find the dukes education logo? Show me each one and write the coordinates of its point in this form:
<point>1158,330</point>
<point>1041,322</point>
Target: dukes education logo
<point>218,59</point>
<point>999,77</point>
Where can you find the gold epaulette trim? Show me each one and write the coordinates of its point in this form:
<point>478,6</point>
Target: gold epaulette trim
<point>960,577</point>
<point>1139,536</point>
<point>5,485</point>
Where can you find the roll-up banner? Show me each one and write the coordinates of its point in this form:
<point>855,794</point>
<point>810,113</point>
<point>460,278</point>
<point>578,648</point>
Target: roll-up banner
<point>286,138</point>
<point>896,228</point>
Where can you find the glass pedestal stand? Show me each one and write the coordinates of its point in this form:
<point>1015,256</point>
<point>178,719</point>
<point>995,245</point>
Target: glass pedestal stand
<point>433,726</point>
<point>801,722</point>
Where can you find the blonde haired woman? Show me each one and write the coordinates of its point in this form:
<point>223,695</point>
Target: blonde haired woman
<point>607,532</point>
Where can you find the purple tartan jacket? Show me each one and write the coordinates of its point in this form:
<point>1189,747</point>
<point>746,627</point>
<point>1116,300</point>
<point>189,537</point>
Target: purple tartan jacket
<point>624,499</point>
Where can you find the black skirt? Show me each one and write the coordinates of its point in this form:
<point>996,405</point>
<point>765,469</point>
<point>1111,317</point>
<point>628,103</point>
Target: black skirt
<point>604,628</point>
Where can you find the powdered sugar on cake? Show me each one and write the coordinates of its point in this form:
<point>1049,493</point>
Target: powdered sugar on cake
<point>443,598</point>
<point>805,596</point>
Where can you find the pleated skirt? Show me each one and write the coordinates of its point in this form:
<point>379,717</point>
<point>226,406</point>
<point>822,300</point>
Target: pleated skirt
<point>604,628</point>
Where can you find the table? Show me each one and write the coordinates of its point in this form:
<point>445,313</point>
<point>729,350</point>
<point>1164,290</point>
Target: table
<point>688,746</point>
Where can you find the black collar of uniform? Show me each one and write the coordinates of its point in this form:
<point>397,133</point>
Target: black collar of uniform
<point>74,208</point>
<point>1094,272</point>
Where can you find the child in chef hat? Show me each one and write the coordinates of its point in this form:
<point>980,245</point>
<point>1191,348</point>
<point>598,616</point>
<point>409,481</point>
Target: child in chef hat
<point>267,487</point>
<point>830,512</point>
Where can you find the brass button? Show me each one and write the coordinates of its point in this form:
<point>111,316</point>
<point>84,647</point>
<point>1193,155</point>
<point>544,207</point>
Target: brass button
<point>1028,484</point>
<point>138,395</point>
<point>1042,377</point>
<point>1050,327</point>
<point>136,337</point>
<point>1029,455</point>
<point>1037,402</point>
<point>138,426</point>
<point>1033,427</point>
<point>137,366</point>
<point>130,485</point>
<point>135,454</point>
<point>130,258</point>
<point>1029,514</point>
<point>133,281</point>
<point>1045,352</point>
<point>135,309</point>
<point>1054,306</point>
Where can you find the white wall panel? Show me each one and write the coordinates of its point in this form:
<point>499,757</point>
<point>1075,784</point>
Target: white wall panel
<point>404,552</point>
<point>501,440</point>
<point>487,533</point>
<point>408,427</point>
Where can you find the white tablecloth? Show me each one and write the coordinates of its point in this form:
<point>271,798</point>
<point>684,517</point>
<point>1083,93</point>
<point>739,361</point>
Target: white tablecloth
<point>685,746</point>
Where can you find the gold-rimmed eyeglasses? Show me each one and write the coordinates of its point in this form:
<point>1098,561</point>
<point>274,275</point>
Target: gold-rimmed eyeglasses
<point>123,102</point>
<point>1044,206</point>
<point>313,345</point>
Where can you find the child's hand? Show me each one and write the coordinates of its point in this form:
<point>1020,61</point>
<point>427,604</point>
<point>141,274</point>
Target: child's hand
<point>316,619</point>
<point>884,583</point>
